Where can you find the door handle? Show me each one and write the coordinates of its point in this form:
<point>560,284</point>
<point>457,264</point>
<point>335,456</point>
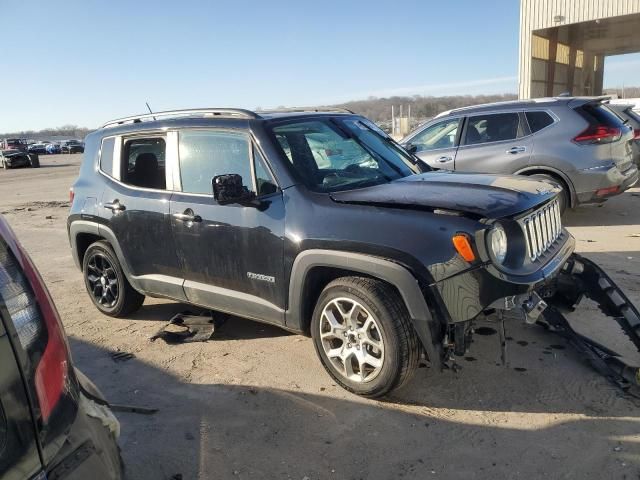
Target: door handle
<point>514,150</point>
<point>115,206</point>
<point>187,216</point>
<point>444,159</point>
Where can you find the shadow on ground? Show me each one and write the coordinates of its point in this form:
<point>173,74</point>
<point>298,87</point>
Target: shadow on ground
<point>620,210</point>
<point>241,431</point>
<point>233,328</point>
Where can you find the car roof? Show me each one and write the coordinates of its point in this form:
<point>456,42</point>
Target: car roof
<point>158,118</point>
<point>520,104</point>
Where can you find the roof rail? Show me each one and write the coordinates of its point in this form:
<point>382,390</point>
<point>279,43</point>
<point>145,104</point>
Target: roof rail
<point>306,109</point>
<point>193,112</point>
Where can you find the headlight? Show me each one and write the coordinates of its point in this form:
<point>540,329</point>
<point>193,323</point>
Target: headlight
<point>498,243</point>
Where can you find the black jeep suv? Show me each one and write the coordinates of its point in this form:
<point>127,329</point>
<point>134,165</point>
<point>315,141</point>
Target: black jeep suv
<point>315,221</point>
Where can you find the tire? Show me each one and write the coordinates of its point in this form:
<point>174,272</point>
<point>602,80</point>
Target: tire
<point>381,308</point>
<point>102,272</point>
<point>34,160</point>
<point>563,197</point>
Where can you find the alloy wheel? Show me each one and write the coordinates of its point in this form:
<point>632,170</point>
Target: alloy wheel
<point>103,280</point>
<point>352,340</point>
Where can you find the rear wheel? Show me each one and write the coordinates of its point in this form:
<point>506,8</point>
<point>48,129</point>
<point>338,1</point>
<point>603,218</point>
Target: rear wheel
<point>363,336</point>
<point>108,288</point>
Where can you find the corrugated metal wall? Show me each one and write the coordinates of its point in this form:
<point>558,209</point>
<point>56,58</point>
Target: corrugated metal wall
<point>538,14</point>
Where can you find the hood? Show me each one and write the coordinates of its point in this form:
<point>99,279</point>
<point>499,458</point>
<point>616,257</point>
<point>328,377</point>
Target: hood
<point>13,153</point>
<point>488,196</point>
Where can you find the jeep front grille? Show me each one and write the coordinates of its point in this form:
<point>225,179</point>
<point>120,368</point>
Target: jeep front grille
<point>542,228</point>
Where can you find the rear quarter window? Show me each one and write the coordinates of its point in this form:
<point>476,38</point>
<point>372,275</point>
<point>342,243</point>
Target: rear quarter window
<point>538,120</point>
<point>106,155</point>
<point>598,114</point>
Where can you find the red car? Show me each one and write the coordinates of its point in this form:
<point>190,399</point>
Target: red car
<point>54,423</point>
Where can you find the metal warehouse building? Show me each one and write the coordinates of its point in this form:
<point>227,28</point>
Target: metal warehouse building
<point>563,43</point>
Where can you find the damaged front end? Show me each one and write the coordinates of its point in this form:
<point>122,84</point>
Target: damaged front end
<point>582,278</point>
<point>578,279</point>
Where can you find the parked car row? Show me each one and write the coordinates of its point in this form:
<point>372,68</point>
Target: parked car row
<point>578,143</point>
<point>67,146</point>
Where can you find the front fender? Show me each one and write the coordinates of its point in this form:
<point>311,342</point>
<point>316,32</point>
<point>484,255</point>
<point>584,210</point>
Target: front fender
<point>376,267</point>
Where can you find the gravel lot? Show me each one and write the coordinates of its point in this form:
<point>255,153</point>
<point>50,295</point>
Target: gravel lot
<point>254,402</point>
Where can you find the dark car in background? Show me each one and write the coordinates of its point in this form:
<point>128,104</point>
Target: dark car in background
<point>38,148</point>
<point>16,158</point>
<point>631,118</point>
<point>54,423</point>
<point>576,142</point>
<point>72,146</point>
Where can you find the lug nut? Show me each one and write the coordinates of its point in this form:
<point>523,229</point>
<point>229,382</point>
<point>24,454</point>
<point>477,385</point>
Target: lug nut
<point>348,345</point>
<point>358,347</point>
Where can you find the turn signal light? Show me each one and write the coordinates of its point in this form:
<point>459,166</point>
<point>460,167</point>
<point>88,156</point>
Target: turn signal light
<point>463,247</point>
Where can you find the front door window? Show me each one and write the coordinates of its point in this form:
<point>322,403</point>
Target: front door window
<point>437,136</point>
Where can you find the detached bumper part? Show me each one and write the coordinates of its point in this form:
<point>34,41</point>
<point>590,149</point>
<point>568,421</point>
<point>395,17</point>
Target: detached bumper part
<point>581,278</point>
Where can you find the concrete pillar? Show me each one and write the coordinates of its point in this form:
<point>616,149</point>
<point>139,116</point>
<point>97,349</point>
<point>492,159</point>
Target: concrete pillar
<point>551,63</point>
<point>598,76</point>
<point>586,87</point>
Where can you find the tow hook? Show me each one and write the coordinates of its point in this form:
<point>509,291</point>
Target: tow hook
<point>530,306</point>
<point>533,308</point>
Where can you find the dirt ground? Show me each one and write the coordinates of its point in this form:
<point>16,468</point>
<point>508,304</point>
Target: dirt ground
<point>254,402</point>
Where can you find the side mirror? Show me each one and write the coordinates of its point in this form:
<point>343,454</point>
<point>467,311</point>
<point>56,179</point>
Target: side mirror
<point>229,189</point>
<point>410,147</point>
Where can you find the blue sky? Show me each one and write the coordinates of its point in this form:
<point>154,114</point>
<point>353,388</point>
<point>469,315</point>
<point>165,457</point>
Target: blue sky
<point>86,61</point>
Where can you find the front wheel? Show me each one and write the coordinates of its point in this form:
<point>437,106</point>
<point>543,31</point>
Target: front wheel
<point>363,336</point>
<point>108,287</point>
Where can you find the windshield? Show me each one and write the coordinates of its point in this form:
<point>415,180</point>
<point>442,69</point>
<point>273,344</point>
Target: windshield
<point>331,154</point>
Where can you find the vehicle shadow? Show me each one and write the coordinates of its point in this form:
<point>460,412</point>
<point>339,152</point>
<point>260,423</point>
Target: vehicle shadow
<point>246,431</point>
<point>620,210</point>
<point>55,165</point>
<point>232,328</point>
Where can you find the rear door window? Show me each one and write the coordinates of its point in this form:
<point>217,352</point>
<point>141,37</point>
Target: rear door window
<point>493,127</point>
<point>538,120</point>
<point>143,163</point>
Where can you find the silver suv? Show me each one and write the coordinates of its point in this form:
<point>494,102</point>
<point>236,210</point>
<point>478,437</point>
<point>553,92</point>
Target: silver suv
<point>575,141</point>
